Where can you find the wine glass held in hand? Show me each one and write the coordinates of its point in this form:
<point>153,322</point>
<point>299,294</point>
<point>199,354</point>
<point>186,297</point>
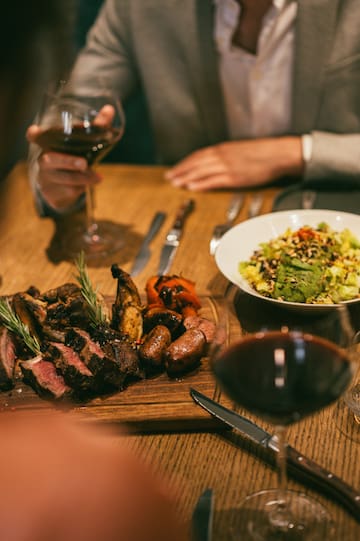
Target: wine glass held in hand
<point>85,122</point>
<point>283,371</point>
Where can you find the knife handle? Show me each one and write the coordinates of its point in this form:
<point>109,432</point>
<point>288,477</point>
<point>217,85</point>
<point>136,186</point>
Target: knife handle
<point>324,480</point>
<point>183,212</point>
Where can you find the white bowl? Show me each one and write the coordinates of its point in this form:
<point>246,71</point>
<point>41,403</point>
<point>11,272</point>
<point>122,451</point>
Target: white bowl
<point>240,242</point>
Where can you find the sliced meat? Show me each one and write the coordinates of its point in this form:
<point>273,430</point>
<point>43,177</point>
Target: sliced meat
<point>112,357</point>
<point>42,376</point>
<point>185,353</point>
<point>68,363</point>
<point>153,348</point>
<point>7,359</point>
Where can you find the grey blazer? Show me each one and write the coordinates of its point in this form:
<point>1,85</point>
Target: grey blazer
<point>167,47</point>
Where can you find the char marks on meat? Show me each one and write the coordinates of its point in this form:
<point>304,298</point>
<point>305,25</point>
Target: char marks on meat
<point>7,359</point>
<point>102,356</point>
<point>81,358</point>
<point>68,363</point>
<point>42,376</point>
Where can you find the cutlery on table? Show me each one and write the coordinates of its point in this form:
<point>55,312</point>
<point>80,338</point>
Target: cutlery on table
<point>144,253</point>
<point>255,205</point>
<point>233,210</point>
<point>173,237</point>
<point>202,517</point>
<point>304,468</point>
<point>308,199</point>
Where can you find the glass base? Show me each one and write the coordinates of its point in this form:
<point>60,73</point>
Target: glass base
<point>347,421</point>
<point>265,518</point>
<point>104,239</point>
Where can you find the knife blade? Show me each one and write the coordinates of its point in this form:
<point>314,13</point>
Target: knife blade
<point>144,252</point>
<point>202,517</point>
<point>173,237</point>
<point>299,465</point>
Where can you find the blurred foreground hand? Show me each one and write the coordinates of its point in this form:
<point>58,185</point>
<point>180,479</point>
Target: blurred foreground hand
<point>63,481</point>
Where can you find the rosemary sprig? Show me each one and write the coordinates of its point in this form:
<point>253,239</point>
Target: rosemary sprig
<point>95,308</point>
<point>12,321</point>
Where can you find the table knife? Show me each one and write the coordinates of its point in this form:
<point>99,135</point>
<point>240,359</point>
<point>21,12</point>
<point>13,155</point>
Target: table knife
<point>173,237</point>
<point>144,252</point>
<point>202,517</point>
<point>299,465</point>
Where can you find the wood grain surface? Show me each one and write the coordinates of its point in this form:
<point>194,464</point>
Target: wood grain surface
<point>32,253</point>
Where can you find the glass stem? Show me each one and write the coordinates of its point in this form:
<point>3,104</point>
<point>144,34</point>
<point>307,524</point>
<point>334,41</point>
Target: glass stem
<point>280,517</point>
<point>91,225</point>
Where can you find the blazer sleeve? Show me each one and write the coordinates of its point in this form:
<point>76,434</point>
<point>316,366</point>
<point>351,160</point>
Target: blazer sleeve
<point>108,51</point>
<point>335,156</point>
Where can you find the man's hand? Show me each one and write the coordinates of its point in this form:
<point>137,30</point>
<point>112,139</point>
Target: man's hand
<point>62,178</point>
<point>239,164</point>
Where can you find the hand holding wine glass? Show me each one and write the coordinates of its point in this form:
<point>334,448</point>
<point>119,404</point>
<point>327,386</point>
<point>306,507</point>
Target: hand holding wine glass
<point>76,128</point>
<point>282,371</point>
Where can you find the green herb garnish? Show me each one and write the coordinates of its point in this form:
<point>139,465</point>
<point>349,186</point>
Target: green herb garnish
<point>12,322</point>
<point>95,308</point>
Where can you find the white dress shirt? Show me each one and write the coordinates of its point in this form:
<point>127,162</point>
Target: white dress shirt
<point>258,88</point>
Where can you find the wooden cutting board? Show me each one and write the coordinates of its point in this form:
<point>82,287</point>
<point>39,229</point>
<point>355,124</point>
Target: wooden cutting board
<point>151,405</point>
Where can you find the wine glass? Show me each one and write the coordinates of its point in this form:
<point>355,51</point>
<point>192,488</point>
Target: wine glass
<point>347,412</point>
<point>84,121</point>
<point>282,370</point>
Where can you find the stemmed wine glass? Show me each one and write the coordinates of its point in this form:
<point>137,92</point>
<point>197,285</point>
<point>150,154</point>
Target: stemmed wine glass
<point>347,412</point>
<point>283,370</point>
<point>84,121</point>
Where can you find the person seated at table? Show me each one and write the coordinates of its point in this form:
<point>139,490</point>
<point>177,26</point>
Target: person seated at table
<point>64,480</point>
<point>240,93</point>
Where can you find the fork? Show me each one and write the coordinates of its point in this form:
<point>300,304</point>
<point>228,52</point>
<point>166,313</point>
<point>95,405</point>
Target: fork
<point>233,210</point>
<point>308,199</point>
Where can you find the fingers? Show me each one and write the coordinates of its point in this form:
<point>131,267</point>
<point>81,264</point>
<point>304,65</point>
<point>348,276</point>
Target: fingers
<point>63,178</point>
<point>56,160</point>
<point>202,170</point>
<point>32,132</point>
<point>105,116</point>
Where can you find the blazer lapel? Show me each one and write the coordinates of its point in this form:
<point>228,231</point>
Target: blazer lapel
<point>204,73</point>
<point>315,26</point>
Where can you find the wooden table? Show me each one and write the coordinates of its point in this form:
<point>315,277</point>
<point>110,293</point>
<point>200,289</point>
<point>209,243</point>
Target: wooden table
<point>193,460</point>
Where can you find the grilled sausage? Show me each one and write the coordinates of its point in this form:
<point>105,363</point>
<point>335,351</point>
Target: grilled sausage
<point>185,353</point>
<point>153,348</point>
<point>162,316</point>
<point>205,325</point>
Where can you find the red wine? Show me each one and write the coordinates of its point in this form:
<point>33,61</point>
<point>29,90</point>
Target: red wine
<point>283,377</point>
<point>92,142</point>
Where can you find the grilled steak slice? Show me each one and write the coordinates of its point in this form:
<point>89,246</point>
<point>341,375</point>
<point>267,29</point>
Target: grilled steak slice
<point>71,367</point>
<point>104,368</point>
<point>41,375</point>
<point>7,359</point>
<point>31,311</point>
<point>66,307</point>
<point>121,350</point>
